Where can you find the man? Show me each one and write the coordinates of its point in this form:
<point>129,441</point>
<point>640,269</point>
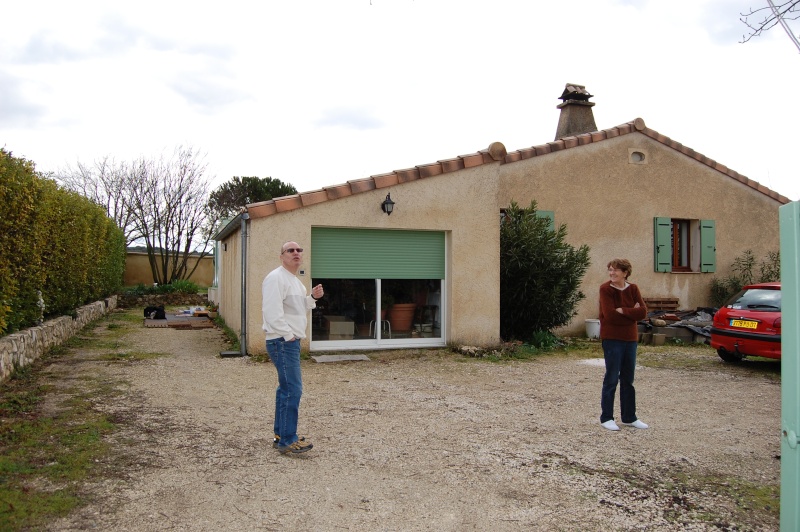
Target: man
<point>284,307</point>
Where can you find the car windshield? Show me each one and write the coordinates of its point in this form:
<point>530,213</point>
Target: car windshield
<point>756,299</point>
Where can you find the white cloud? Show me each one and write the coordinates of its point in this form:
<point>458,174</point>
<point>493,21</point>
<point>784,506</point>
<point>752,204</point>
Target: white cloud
<point>368,88</point>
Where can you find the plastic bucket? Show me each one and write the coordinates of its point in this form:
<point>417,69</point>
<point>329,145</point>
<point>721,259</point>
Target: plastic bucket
<point>593,328</point>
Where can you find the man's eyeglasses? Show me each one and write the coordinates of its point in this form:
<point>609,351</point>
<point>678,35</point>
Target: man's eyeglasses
<point>292,250</point>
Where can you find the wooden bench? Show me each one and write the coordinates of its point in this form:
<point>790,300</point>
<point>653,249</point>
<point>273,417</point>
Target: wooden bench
<point>669,304</point>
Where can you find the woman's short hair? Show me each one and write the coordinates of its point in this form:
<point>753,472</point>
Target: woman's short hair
<point>621,264</point>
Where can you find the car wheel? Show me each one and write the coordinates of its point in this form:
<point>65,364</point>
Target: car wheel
<point>727,356</point>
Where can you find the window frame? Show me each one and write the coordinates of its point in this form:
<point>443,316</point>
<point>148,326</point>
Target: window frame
<point>684,245</point>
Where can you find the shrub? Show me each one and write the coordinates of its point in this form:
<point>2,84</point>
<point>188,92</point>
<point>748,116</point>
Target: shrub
<point>540,274</point>
<point>58,250</point>
<point>743,273</point>
<point>176,287</point>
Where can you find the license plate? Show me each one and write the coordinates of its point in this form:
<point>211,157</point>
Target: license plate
<point>744,324</point>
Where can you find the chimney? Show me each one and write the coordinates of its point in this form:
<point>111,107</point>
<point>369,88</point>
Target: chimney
<point>576,112</point>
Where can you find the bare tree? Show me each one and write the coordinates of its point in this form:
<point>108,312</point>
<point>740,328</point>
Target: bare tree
<point>158,202</point>
<point>770,16</point>
<point>167,199</point>
<point>106,183</point>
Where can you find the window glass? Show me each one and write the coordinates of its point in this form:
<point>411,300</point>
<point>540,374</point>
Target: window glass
<point>351,309</point>
<point>756,299</point>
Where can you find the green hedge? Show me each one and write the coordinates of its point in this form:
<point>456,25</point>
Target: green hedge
<point>52,242</point>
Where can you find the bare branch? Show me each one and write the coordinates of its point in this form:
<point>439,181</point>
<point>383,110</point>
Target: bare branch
<point>770,16</point>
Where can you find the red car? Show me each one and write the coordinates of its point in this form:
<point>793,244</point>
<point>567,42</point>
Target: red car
<point>749,324</point>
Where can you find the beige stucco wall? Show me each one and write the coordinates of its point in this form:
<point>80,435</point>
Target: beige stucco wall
<point>228,293</point>
<point>137,270</point>
<point>609,204</point>
<point>463,204</point>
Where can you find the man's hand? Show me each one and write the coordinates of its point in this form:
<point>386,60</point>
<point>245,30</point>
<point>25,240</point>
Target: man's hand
<point>317,292</point>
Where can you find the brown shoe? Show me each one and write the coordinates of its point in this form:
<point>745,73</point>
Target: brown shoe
<point>295,448</point>
<point>276,440</point>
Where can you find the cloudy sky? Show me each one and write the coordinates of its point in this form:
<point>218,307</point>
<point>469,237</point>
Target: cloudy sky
<point>319,92</point>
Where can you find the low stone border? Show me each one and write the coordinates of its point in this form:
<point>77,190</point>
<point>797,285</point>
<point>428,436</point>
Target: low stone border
<point>21,348</point>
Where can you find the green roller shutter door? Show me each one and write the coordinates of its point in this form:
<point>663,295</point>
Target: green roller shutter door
<point>345,253</point>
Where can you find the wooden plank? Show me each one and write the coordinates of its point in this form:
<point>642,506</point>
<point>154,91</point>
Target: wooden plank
<point>661,303</point>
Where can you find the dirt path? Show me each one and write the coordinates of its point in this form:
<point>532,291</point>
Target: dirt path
<point>435,442</point>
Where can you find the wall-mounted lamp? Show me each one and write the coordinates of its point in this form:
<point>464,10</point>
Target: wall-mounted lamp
<point>224,246</point>
<point>388,205</point>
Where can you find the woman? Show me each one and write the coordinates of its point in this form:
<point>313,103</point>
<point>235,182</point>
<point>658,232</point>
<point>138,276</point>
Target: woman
<point>621,306</point>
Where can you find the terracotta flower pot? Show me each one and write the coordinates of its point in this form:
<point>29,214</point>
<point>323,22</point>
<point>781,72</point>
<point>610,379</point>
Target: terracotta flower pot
<point>401,315</point>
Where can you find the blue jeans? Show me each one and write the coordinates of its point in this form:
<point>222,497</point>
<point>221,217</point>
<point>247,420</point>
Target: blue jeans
<point>620,358</point>
<point>286,358</point>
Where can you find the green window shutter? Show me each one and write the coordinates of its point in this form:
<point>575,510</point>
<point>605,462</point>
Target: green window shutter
<point>346,253</point>
<point>550,215</point>
<point>708,246</point>
<point>662,248</point>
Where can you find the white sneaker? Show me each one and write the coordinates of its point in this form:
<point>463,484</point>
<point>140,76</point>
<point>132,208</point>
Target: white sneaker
<point>638,424</point>
<point>610,425</point>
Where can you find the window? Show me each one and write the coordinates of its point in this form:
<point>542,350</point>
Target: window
<point>382,287</point>
<point>684,245</point>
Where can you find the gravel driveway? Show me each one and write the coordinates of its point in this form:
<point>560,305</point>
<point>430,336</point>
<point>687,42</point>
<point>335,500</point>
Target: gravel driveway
<point>429,440</point>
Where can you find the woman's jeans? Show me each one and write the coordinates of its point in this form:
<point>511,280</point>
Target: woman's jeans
<point>286,358</point>
<point>620,358</point>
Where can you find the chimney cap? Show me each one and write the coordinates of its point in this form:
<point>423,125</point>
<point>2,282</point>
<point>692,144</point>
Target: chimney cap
<point>573,91</point>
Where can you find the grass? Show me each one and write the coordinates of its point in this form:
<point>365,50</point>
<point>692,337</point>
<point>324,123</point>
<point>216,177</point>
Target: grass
<point>44,457</point>
<point>51,441</point>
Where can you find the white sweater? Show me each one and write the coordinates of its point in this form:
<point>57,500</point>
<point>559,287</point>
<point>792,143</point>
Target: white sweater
<point>284,305</point>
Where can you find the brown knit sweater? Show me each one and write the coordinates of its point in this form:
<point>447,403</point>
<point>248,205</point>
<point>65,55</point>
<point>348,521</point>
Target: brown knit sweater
<point>616,326</point>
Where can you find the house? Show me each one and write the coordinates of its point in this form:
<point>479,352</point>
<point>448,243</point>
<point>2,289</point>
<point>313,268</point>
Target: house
<point>627,191</point>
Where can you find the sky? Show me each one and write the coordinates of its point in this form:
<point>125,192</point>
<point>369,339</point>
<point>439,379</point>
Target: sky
<point>320,92</point>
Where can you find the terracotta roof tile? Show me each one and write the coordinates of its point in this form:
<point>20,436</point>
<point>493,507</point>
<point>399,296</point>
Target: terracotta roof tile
<point>495,152</point>
<point>288,203</point>
<point>315,196</point>
<point>338,191</point>
<point>362,185</point>
<point>261,209</point>
<point>452,165</point>
<point>472,160</point>
<point>527,153</point>
<point>409,174</point>
<point>487,157</point>
<point>429,170</point>
<point>385,180</point>
<point>515,156</point>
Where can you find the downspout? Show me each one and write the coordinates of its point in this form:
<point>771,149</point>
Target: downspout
<point>243,333</point>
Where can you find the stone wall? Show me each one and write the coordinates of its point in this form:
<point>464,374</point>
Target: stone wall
<point>21,348</point>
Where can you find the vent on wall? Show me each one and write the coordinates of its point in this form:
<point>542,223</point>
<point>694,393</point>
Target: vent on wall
<point>637,156</point>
